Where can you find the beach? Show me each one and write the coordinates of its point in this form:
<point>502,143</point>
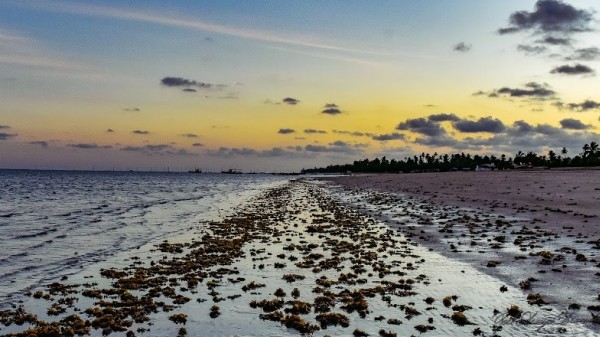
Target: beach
<point>536,230</point>
<point>308,257</point>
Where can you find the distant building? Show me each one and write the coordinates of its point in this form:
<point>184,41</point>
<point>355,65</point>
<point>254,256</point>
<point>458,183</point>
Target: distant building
<point>486,167</point>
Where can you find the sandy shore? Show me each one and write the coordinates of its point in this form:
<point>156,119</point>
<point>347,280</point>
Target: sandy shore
<point>302,259</point>
<point>565,201</point>
<point>537,230</point>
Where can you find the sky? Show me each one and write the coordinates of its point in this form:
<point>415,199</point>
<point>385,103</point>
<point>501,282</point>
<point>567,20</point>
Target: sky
<point>285,85</point>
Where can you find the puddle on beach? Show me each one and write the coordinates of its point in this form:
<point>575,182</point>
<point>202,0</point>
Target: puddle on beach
<point>336,260</point>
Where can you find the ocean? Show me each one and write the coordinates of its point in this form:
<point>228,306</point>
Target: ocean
<point>54,223</point>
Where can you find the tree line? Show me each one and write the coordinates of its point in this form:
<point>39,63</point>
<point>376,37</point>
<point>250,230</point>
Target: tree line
<point>425,162</point>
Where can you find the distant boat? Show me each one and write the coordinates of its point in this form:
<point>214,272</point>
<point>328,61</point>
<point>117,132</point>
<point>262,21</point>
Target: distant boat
<point>195,171</point>
<point>232,171</point>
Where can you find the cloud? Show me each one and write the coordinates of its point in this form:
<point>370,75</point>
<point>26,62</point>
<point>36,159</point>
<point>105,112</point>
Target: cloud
<point>581,107</point>
<point>230,152</point>
<point>290,101</point>
<point>309,131</point>
<point>353,133</point>
<point>89,146</point>
<point>462,47</point>
<point>335,147</point>
<point>486,124</point>
<point>189,90</point>
<point>140,132</point>
<point>331,109</point>
<point>286,131</point>
<point>422,126</point>
<point>159,18</point>
<point>584,54</point>
<point>573,124</point>
<point>109,131</point>
<point>389,136</point>
<point>549,17</point>
<point>134,109</point>
<point>5,136</point>
<point>198,145</point>
<point>531,90</point>
<point>555,41</point>
<point>577,69</point>
<point>4,127</point>
<point>534,49</point>
<point>158,149</point>
<point>41,143</point>
<point>189,135</point>
<point>183,82</point>
<point>443,117</point>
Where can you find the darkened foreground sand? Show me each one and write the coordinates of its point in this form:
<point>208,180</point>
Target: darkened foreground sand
<point>537,230</point>
<point>298,260</point>
<point>566,201</point>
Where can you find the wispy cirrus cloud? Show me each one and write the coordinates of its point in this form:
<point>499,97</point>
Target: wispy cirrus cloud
<point>189,23</point>
<point>20,50</point>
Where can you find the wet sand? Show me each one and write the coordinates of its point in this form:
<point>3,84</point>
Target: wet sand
<point>301,259</point>
<point>565,201</point>
<point>518,226</point>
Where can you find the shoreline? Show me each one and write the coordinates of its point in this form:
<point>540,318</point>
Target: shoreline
<point>464,216</point>
<point>295,260</point>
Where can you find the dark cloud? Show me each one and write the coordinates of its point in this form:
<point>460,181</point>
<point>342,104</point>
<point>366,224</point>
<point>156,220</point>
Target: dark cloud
<point>389,136</point>
<point>555,41</point>
<point>189,135</point>
<point>353,133</point>
<point>583,106</point>
<point>140,132</point>
<point>132,109</point>
<point>533,49</point>
<point>584,54</point>
<point>4,127</point>
<point>573,124</point>
<point>230,152</point>
<point>462,47</point>
<point>577,69</point>
<point>314,131</point>
<point>422,126</point>
<point>41,143</point>
<point>290,101</point>
<point>189,90</point>
<point>332,111</point>
<point>440,140</point>
<point>443,117</point>
<point>198,145</point>
<point>183,82</point>
<point>158,149</point>
<point>339,148</point>
<point>110,130</point>
<point>89,146</point>
<point>330,105</point>
<point>5,136</point>
<point>485,124</point>
<point>286,131</point>
<point>549,16</point>
<point>531,90</point>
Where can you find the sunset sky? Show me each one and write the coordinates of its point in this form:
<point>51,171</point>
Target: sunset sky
<point>286,85</point>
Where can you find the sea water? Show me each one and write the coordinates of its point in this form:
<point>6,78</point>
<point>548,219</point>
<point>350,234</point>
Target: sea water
<point>53,223</point>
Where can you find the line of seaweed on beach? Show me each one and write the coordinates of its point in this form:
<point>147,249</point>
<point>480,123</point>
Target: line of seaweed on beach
<point>425,162</point>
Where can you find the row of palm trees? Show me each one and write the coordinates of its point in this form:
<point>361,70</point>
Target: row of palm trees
<point>426,162</point>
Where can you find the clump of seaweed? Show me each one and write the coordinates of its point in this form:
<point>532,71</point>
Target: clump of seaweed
<point>535,298</point>
<point>514,311</point>
<point>292,277</point>
<point>331,318</point>
<point>297,323</point>
<point>215,311</point>
<point>178,318</point>
<point>267,305</point>
<point>422,328</point>
<point>459,318</point>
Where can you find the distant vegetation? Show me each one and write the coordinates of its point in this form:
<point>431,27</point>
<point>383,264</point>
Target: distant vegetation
<point>463,162</point>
